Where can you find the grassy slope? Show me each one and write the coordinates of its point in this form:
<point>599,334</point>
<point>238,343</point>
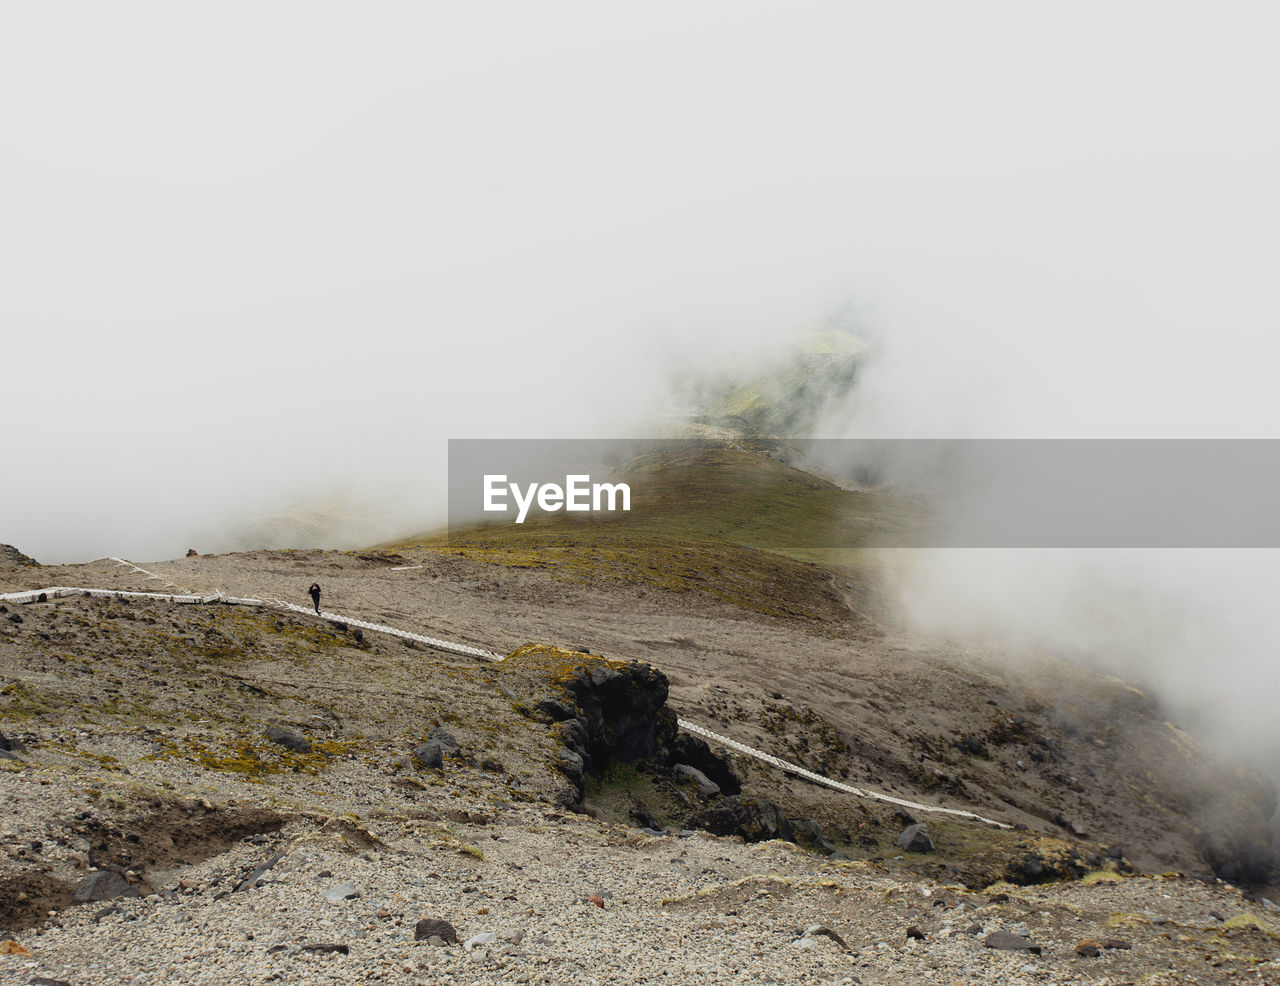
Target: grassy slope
<point>731,524</point>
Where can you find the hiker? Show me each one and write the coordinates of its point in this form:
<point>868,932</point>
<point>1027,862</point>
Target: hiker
<point>314,593</point>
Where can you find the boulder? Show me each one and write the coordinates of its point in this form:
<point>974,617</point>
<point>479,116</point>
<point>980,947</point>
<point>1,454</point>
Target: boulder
<point>622,711</point>
<point>1010,942</point>
<point>755,819</point>
<point>444,738</point>
<point>557,711</point>
<point>104,885</point>
<point>695,752</point>
<point>570,764</point>
<point>915,838</point>
<point>430,754</point>
<point>294,742</point>
<point>809,833</point>
<point>707,788</point>
<point>10,748</point>
<point>1238,853</point>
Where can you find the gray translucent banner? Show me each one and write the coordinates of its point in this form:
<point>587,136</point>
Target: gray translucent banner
<point>855,493</point>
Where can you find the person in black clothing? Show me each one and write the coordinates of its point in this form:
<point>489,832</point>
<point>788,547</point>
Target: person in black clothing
<point>314,592</point>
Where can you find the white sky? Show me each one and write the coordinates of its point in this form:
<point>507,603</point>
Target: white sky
<point>254,251</point>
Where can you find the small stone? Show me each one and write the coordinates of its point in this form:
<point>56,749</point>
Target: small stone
<point>252,879</point>
<point>341,892</point>
<point>443,737</point>
<point>973,929</point>
<point>1089,949</point>
<point>595,899</point>
<point>429,928</point>
<point>915,932</point>
<point>287,738</point>
<point>1010,942</point>
<point>1116,943</point>
<point>514,936</point>
<point>484,938</point>
<point>11,947</point>
<point>322,948</point>
<point>815,930</point>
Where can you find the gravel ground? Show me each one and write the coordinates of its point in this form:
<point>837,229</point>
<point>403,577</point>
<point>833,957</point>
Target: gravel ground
<point>111,698</point>
<point>675,909</point>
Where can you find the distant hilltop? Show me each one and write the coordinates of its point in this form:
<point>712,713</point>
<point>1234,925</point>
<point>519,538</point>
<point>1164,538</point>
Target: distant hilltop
<point>12,557</point>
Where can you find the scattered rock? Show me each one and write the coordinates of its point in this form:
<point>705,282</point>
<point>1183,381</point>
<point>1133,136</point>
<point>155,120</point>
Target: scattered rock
<point>1010,942</point>
<point>1117,944</point>
<point>46,981</point>
<point>430,755</point>
<point>915,838</point>
<point>104,885</point>
<point>514,937</point>
<point>484,938</point>
<point>706,787</point>
<point>595,899</point>
<point>429,928</point>
<point>974,929</point>
<point>288,739</point>
<point>809,833</point>
<point>10,748</point>
<point>914,932</point>
<point>322,948</point>
<point>1089,949</point>
<point>695,752</point>
<point>444,738</point>
<point>341,892</point>
<point>816,930</point>
<point>252,879</point>
<point>557,710</point>
<point>570,764</point>
<point>192,553</point>
<point>11,947</point>
<point>755,819</point>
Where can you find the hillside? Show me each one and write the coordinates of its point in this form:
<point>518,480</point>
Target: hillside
<point>136,743</point>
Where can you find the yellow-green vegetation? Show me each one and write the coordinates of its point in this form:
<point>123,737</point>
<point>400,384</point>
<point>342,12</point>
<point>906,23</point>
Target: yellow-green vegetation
<point>1094,877</point>
<point>1250,920</point>
<point>559,664</point>
<point>253,759</point>
<point>1127,919</point>
<point>731,524</point>
<point>19,701</point>
<point>737,892</point>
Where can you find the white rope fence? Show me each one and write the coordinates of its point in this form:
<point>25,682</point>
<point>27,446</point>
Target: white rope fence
<point>857,792</point>
<point>55,592</point>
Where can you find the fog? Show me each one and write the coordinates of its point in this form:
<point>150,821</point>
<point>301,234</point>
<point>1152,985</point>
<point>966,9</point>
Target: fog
<point>262,261</point>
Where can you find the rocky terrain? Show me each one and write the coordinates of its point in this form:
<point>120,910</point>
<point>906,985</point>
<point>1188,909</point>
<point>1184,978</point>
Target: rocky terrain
<point>227,794</point>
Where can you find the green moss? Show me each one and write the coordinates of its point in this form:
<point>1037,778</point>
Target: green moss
<point>255,760</point>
